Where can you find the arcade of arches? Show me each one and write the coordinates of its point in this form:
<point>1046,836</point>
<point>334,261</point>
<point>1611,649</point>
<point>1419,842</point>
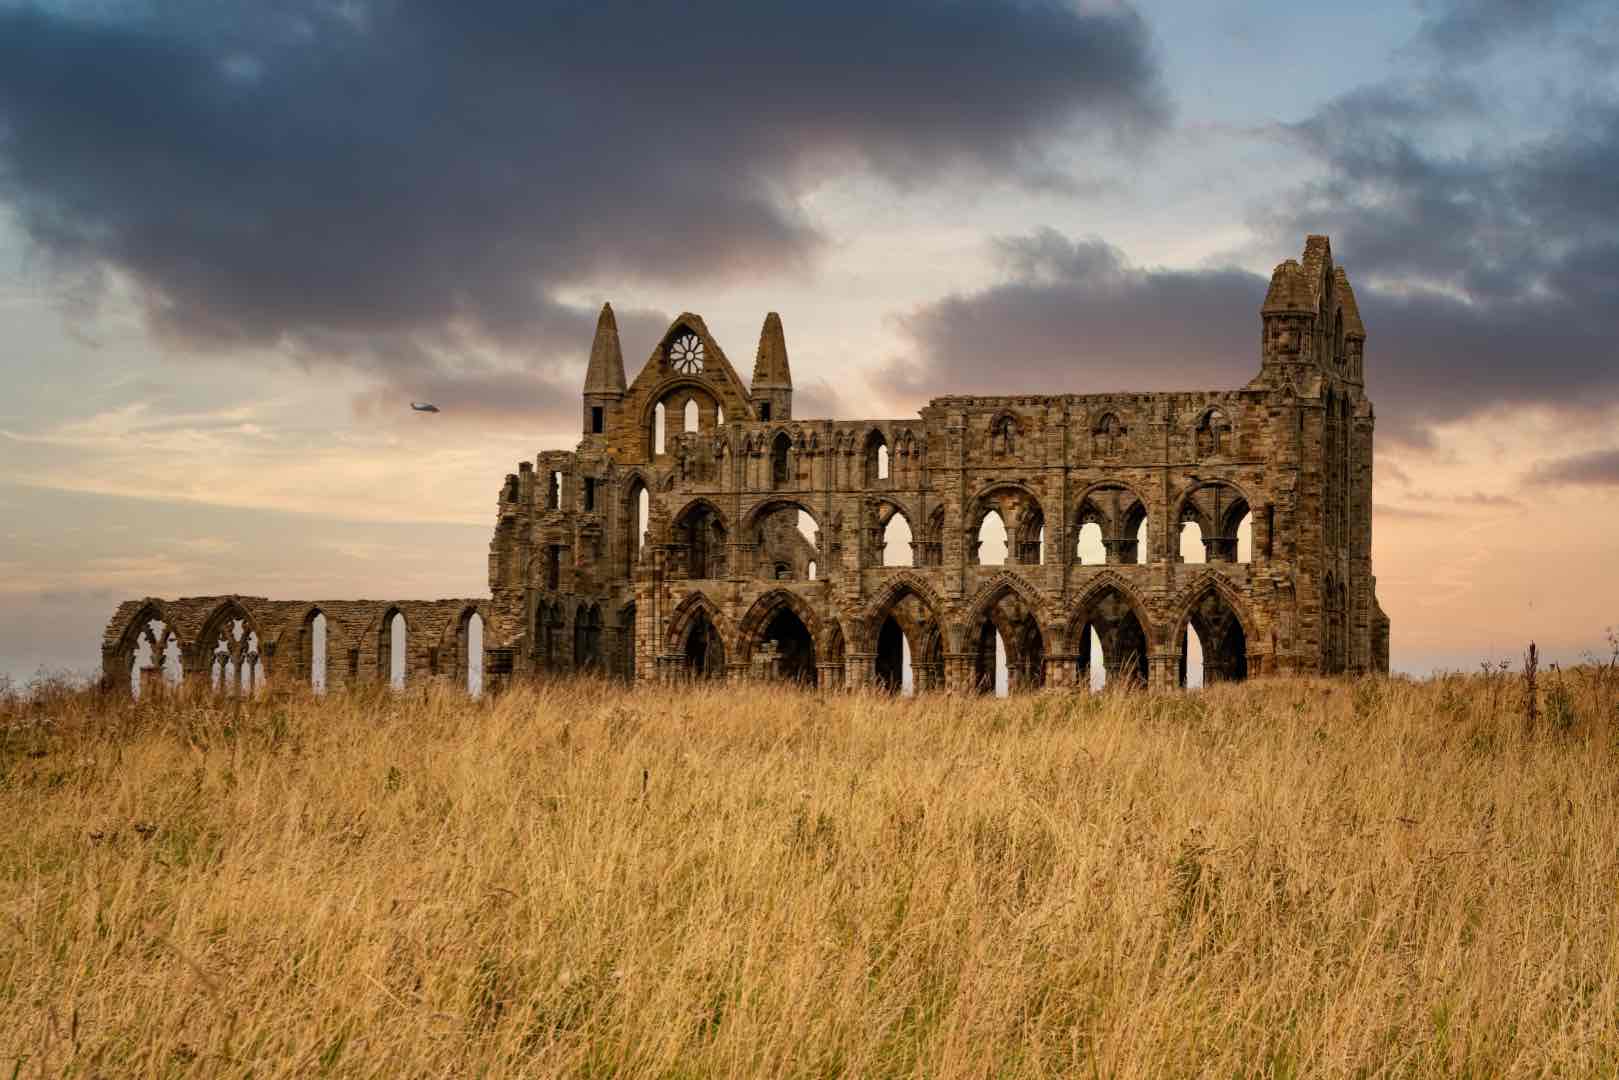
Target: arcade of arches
<point>700,529</point>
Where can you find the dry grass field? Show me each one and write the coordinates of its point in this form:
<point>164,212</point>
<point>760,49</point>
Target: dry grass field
<point>1286,878</point>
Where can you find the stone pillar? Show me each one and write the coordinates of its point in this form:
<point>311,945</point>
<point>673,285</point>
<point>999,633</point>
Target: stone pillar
<point>1163,671</point>
<point>958,671</point>
<point>1061,670</point>
<point>860,669</point>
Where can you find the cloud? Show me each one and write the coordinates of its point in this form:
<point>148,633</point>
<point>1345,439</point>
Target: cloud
<point>1484,270</point>
<point>1471,32</point>
<point>1073,316</point>
<point>397,186</point>
<point>1600,468</point>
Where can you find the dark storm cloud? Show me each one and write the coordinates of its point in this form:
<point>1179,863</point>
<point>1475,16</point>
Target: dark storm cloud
<point>1472,31</point>
<point>1073,316</point>
<point>1597,469</point>
<point>1485,271</point>
<point>359,181</point>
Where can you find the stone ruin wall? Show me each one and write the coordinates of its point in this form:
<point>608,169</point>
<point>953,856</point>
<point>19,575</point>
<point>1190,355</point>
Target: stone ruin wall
<point>718,584</point>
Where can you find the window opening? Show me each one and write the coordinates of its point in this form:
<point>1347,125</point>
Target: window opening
<point>475,655</point>
<point>1192,543</point>
<point>596,420</point>
<point>396,651</point>
<point>992,540</point>
<point>317,653</point>
<point>897,541</point>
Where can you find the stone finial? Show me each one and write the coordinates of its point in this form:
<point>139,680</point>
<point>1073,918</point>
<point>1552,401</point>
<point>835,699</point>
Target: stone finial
<point>1289,290</point>
<point>770,367</point>
<point>606,372</point>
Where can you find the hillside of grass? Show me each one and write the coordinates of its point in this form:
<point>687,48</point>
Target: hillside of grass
<point>1283,878</point>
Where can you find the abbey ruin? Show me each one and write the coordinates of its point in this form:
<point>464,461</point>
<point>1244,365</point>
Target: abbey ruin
<point>701,530</point>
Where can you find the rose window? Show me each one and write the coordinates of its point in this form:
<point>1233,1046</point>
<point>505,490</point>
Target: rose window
<point>686,354</point>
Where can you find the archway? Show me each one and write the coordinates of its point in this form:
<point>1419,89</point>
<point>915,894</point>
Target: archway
<point>637,512</point>
<point>154,657</point>
<point>704,649</point>
<point>905,635</point>
<point>701,530</point>
<point>794,648</point>
<point>896,536</point>
<point>1007,526</point>
<point>784,534</point>
<point>780,447</point>
<point>234,658</point>
<point>1009,648</point>
<point>471,649</point>
<point>391,648</point>
<point>587,624</point>
<point>626,620</point>
<point>1217,508</point>
<point>1222,644</point>
<point>777,639</point>
<point>893,662</point>
<point>1119,636</point>
<point>314,650</point>
<point>990,540</point>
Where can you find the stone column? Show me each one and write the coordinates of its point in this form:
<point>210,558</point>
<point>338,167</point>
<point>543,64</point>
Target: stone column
<point>860,669</point>
<point>958,671</point>
<point>1061,670</point>
<point>1163,671</point>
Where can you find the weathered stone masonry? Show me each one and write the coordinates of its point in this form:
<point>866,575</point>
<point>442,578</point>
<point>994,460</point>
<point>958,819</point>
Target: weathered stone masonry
<point>721,582</point>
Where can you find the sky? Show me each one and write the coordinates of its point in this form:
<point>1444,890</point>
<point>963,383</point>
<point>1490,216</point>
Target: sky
<point>237,240</point>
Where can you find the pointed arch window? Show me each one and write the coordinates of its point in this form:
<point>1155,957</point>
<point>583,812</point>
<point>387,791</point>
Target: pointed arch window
<point>1107,438</point>
<point>1003,436</point>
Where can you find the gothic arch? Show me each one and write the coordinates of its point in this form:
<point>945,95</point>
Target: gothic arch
<point>1005,432</point>
<point>762,610</point>
<point>1188,596</point>
<point>1213,432</point>
<point>295,645</point>
<point>1077,615</point>
<point>1003,583</point>
<point>691,504</point>
<point>896,588</point>
<point>893,591</point>
<point>772,503</point>
<point>802,652</point>
<point>118,658</point>
<point>217,643</point>
<point>129,633</point>
<point>872,444</point>
<point>1021,513</point>
<point>686,612</point>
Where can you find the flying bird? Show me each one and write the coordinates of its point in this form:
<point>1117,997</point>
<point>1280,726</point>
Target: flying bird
<point>423,406</point>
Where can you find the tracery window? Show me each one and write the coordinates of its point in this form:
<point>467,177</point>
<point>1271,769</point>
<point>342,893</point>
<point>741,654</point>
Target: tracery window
<point>686,354</point>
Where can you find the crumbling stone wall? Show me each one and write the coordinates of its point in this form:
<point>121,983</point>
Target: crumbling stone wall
<point>712,578</point>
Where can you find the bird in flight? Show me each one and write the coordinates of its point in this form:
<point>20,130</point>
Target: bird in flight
<point>423,406</point>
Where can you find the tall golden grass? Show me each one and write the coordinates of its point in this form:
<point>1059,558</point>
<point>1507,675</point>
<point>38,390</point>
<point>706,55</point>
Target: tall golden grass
<point>1285,878</point>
